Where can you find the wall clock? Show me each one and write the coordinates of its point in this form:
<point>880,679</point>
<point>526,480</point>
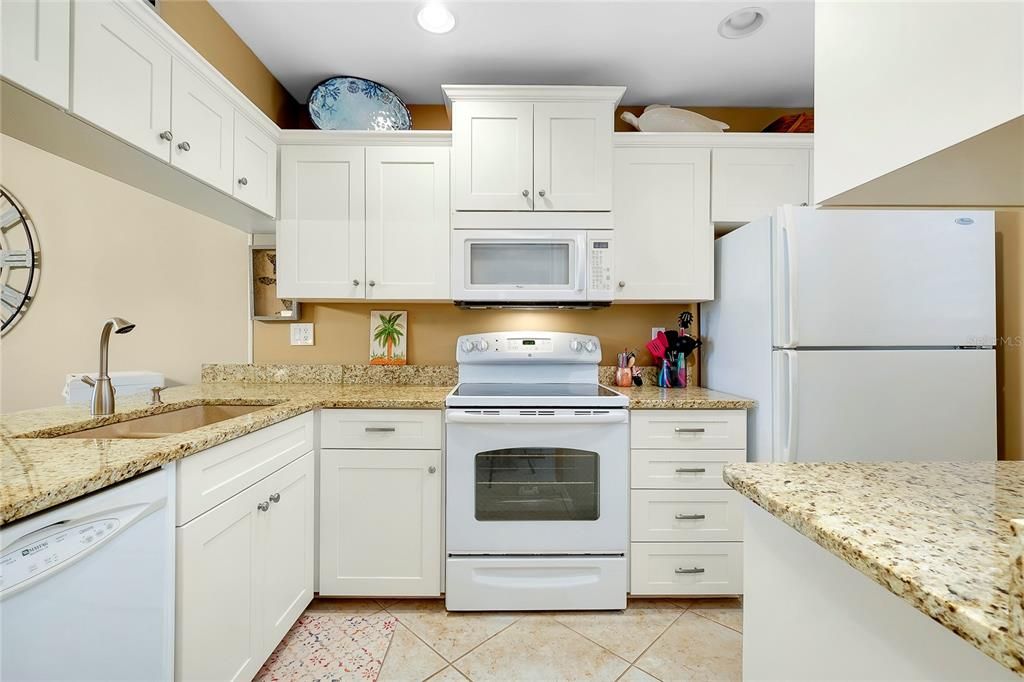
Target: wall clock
<point>19,261</point>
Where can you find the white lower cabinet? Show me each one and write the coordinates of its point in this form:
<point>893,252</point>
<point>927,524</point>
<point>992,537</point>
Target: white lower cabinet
<point>244,574</point>
<point>380,522</point>
<point>686,525</point>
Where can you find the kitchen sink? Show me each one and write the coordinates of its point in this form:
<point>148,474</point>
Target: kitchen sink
<point>167,423</point>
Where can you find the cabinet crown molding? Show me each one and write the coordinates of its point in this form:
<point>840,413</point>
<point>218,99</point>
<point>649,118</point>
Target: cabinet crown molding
<point>716,140</point>
<point>368,138</point>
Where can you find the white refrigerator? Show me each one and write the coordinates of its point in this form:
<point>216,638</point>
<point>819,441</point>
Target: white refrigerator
<point>863,335</point>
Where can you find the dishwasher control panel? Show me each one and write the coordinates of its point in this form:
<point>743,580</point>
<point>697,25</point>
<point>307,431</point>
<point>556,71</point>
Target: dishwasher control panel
<point>52,546</point>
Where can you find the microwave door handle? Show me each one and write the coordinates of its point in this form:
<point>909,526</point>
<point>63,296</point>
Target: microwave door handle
<point>582,263</point>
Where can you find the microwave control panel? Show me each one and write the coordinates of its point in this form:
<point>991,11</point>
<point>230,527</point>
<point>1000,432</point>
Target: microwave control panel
<point>599,267</point>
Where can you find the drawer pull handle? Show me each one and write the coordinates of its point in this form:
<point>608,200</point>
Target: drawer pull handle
<point>683,429</point>
<point>380,429</point>
<point>684,470</point>
<point>690,517</point>
<point>690,570</point>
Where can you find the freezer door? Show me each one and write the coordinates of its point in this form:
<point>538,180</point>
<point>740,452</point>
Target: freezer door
<point>845,278</point>
<point>875,405</point>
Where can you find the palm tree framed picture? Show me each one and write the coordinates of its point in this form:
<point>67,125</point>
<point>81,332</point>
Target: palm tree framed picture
<point>389,337</point>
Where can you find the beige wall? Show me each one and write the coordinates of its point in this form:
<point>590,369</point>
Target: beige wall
<point>1010,330</point>
<point>110,249</point>
<point>342,330</point>
<point>198,23</point>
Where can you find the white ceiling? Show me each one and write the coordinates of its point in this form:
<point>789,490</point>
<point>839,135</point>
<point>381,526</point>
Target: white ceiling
<point>664,52</point>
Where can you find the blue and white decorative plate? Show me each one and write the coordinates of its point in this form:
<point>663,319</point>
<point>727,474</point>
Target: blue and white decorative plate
<point>347,103</point>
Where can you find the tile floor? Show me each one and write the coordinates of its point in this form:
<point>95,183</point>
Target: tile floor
<point>416,639</point>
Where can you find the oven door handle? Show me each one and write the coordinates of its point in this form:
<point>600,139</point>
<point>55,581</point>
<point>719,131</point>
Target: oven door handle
<point>616,417</point>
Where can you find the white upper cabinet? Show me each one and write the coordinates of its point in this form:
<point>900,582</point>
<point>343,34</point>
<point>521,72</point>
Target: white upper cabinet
<point>572,157</point>
<point>121,78</point>
<point>322,229</point>
<point>255,177</point>
<point>532,148</point>
<point>747,184</point>
<point>36,37</point>
<point>202,121</point>
<point>663,231</point>
<point>408,218</point>
<point>493,151</point>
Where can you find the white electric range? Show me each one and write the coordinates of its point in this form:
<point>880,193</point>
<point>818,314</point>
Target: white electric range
<point>537,476</point>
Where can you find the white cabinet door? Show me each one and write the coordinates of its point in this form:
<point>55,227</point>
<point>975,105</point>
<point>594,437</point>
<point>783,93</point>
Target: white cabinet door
<point>380,522</point>
<point>572,159</point>
<point>408,218</point>
<point>492,144</point>
<point>747,184</point>
<point>321,232</point>
<point>664,239</point>
<point>287,548</point>
<point>203,122</point>
<point>36,37</point>
<point>219,573</point>
<point>255,177</point>
<point>121,76</point>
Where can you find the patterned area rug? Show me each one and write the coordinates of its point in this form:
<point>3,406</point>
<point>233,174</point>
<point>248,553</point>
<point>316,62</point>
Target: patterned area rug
<point>325,646</point>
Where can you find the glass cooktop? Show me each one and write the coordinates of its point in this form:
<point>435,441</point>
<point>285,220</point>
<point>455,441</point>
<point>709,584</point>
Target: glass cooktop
<point>533,391</point>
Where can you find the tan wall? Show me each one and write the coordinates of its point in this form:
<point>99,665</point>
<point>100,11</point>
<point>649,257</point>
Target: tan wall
<point>1010,330</point>
<point>198,23</point>
<point>342,330</point>
<point>110,249</point>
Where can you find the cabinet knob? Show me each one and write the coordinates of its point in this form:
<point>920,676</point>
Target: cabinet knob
<point>184,146</point>
<point>541,193</point>
<point>432,470</point>
<point>243,181</point>
<point>276,497</point>
<point>166,136</point>
<point>622,284</point>
<point>372,283</point>
<point>263,506</point>
<point>526,192</point>
<point>355,282</point>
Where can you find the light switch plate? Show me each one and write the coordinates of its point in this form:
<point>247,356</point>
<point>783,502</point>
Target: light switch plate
<point>302,334</point>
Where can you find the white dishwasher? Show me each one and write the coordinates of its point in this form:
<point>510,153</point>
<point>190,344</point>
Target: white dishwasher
<point>87,588</point>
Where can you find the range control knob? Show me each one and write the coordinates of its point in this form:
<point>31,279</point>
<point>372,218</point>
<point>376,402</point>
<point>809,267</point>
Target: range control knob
<point>575,346</point>
<point>590,346</point>
<point>482,344</point>
<point>468,346</point>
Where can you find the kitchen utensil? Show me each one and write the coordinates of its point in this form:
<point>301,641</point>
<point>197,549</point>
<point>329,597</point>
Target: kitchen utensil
<point>637,379</point>
<point>664,374</point>
<point>658,346</point>
<point>623,377</point>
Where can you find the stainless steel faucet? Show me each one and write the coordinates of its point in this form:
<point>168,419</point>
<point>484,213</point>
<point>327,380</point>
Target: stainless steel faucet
<point>102,390</point>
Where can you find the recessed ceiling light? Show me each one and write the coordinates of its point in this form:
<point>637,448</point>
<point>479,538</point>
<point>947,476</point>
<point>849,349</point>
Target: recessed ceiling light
<point>743,22</point>
<point>436,18</point>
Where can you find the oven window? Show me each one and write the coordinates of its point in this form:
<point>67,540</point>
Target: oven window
<point>542,264</point>
<point>537,484</point>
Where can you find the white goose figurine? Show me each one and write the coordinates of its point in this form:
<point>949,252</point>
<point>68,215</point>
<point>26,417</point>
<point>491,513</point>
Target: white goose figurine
<point>662,118</point>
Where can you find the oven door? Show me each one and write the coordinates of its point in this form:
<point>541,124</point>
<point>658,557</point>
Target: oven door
<point>519,265</point>
<point>537,481</point>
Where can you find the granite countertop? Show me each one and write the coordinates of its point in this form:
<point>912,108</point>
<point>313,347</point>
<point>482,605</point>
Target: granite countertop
<point>38,472</point>
<point>938,534</point>
<point>650,397</point>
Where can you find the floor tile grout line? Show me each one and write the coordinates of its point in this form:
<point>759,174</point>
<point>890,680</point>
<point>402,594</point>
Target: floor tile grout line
<point>465,674</point>
<point>391,641</point>
<point>681,611</point>
<point>600,646</point>
<point>425,643</point>
<point>656,639</point>
<point>696,613</point>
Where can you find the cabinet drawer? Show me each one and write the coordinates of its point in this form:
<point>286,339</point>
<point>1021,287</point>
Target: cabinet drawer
<point>686,568</point>
<point>390,429</point>
<point>681,468</point>
<point>685,516</point>
<point>208,478</point>
<point>689,429</point>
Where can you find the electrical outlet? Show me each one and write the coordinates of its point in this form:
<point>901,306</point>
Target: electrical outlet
<point>654,331</point>
<point>302,334</point>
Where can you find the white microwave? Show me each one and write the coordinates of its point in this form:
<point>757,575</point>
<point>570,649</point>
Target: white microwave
<point>532,267</point>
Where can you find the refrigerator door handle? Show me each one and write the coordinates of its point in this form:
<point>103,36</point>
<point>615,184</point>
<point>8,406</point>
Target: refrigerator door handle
<point>785,417</point>
<point>786,279</point>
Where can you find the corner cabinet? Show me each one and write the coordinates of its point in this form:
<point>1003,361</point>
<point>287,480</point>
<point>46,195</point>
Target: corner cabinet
<point>748,183</point>
<point>664,238</point>
<point>36,44</point>
<point>364,222</point>
<point>532,148</point>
